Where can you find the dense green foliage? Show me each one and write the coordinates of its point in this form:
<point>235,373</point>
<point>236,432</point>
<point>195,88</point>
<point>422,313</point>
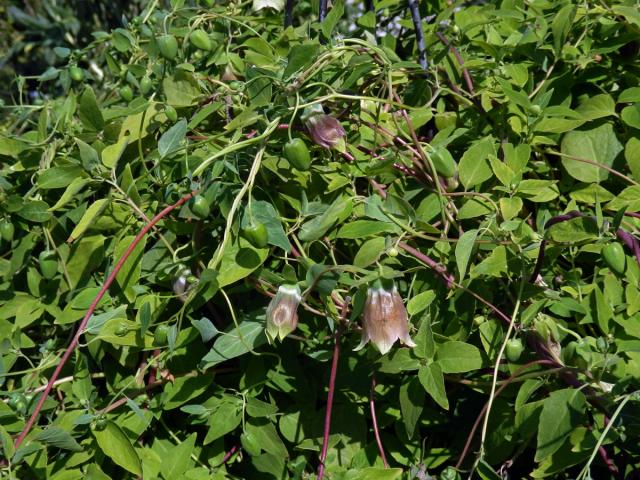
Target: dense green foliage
<point>498,188</point>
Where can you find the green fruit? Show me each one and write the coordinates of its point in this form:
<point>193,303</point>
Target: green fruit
<point>297,154</point>
<point>393,252</point>
<point>200,39</point>
<point>514,349</point>
<point>444,162</point>
<point>256,234</point>
<point>48,264</point>
<point>200,206</point>
<point>16,400</point>
<point>168,46</point>
<point>76,73</point>
<point>171,113</point>
<point>126,93</point>
<point>208,3</point>
<point>145,85</point>
<point>535,109</point>
<point>613,254</point>
<point>160,335</point>
<point>7,230</point>
<point>236,85</point>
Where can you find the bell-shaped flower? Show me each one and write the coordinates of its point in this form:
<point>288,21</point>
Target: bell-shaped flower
<point>324,129</point>
<point>385,318</point>
<point>282,312</point>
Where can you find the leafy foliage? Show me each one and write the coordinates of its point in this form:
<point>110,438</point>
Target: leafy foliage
<point>490,187</point>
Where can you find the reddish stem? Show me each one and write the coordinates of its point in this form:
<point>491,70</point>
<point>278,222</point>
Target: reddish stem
<point>332,388</point>
<point>92,307</point>
<point>374,418</point>
<point>465,72</point>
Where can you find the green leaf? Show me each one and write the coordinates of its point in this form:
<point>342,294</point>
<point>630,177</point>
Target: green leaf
<point>432,380</point>
<point>574,230</point>
<point>89,217</point>
<point>631,115</point>
<point>464,248</point>
<point>299,57</point>
<point>331,20</point>
<point>172,138</point>
<point>178,459</point>
<point>474,167</point>
<point>266,436</point>
<point>411,404</point>
<point>181,89</point>
<point>89,111</point>
<point>70,193</point>
<point>365,228</point>
<point>598,106</point>
<point>111,154</point>
<point>238,261</point>
<point>115,445</point>
<point>57,437</point>
<point>561,26</point>
<point>632,155</point>
<point>420,302</point>
<point>35,211</point>
<point>563,410</point>
<point>129,275</point>
<point>318,226</point>
<point>598,145</point>
<point>369,252</point>
<point>458,357</point>
<point>58,177</point>
<point>235,342</point>
<point>205,327</point>
<point>374,473</point>
<point>225,419</point>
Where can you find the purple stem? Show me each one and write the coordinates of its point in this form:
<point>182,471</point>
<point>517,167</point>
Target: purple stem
<point>376,432</point>
<point>332,388</point>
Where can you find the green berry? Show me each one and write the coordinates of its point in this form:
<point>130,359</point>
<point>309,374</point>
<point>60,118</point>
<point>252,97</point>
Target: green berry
<point>297,154</point>
<point>160,335</point>
<point>126,93</point>
<point>256,234</point>
<point>168,46</point>
<point>200,207</point>
<point>613,255</point>
<point>200,39</point>
<point>514,349</point>
<point>7,230</point>
<point>145,85</point>
<point>443,162</point>
<point>171,113</point>
<point>76,73</point>
<point>48,264</point>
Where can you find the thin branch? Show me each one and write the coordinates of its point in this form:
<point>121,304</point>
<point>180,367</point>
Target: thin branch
<point>323,10</point>
<point>288,13</point>
<point>465,72</point>
<point>417,25</point>
<point>374,418</point>
<point>332,387</point>
<point>92,307</point>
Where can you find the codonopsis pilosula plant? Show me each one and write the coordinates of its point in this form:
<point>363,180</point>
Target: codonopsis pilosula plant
<point>282,312</point>
<point>385,318</point>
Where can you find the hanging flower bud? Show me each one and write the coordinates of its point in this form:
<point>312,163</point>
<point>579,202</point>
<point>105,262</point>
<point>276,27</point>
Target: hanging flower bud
<point>324,129</point>
<point>282,314</point>
<point>385,318</point>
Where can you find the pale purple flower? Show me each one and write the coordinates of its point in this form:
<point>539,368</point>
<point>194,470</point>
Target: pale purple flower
<point>385,318</point>
<point>324,129</point>
<point>282,312</point>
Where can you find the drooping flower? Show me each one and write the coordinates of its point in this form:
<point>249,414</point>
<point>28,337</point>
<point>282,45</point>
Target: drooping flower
<point>282,312</point>
<point>324,129</point>
<point>385,318</point>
